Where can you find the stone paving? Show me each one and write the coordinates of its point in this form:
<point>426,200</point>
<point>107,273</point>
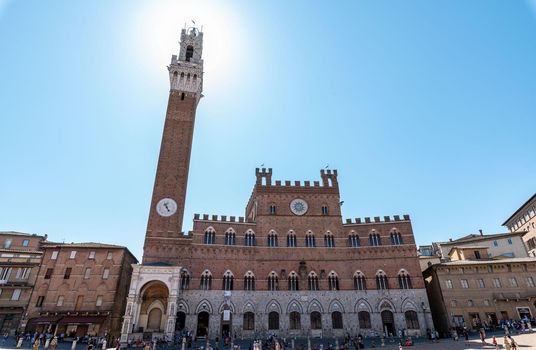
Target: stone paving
<point>525,342</point>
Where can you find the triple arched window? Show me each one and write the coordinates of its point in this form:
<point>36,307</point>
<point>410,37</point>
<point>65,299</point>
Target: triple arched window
<point>206,280</point>
<point>333,281</point>
<point>293,281</point>
<point>374,239</point>
<point>381,281</point>
<point>185,280</point>
<point>291,239</point>
<point>272,239</point>
<point>312,281</point>
<point>228,279</point>
<point>310,240</point>
<point>329,241</point>
<point>396,238</point>
<point>210,236</point>
<point>353,240</point>
<point>230,237</point>
<point>360,282</point>
<point>249,238</point>
<point>273,282</point>
<point>404,281</point>
<point>249,281</point>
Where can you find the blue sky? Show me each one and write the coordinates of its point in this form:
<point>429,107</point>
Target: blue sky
<point>425,108</point>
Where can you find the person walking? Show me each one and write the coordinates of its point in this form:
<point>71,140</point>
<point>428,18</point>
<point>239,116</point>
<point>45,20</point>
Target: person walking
<point>54,343</point>
<point>494,342</point>
<point>36,344</point>
<point>506,343</point>
<point>482,335</point>
<point>513,344</point>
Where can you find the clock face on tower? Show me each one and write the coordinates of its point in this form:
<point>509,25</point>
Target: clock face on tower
<point>298,206</point>
<point>166,207</point>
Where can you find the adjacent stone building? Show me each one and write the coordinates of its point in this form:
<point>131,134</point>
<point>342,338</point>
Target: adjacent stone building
<point>472,289</point>
<point>523,221</point>
<point>291,266</point>
<point>81,289</point>
<point>20,257</point>
<point>499,245</point>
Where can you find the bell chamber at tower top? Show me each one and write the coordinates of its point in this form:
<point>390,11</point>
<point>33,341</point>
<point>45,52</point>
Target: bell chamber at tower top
<point>186,69</point>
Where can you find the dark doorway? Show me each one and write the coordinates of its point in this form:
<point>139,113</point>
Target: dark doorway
<point>388,322</point>
<point>475,320</point>
<point>202,324</point>
<point>492,318</point>
<point>226,322</point>
<point>180,322</point>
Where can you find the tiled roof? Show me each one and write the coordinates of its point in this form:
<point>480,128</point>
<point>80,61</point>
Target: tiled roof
<point>478,237</point>
<point>15,233</point>
<point>83,245</point>
<point>488,261</point>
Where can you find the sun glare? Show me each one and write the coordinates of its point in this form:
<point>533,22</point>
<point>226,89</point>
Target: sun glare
<point>157,31</point>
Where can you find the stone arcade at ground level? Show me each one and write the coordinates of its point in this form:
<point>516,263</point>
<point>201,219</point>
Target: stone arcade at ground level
<point>157,308</point>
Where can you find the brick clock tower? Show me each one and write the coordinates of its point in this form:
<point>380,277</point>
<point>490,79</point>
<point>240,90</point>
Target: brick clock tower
<point>164,227</point>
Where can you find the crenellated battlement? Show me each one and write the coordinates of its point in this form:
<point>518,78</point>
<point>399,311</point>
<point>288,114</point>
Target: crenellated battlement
<point>221,218</point>
<point>377,220</point>
<point>264,179</point>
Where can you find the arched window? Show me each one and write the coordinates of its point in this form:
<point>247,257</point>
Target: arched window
<point>336,320</point>
<point>294,320</point>
<point>333,281</point>
<point>273,282</point>
<point>185,280</point>
<point>293,281</point>
<point>272,239</point>
<point>310,240</point>
<point>227,280</point>
<point>364,319</point>
<point>312,281</point>
<point>249,239</point>
<point>189,53</point>
<point>329,241</point>
<point>360,281</point>
<point>206,280</point>
<point>396,238</point>
<point>291,239</point>
<point>249,281</point>
<point>381,281</point>
<point>273,209</point>
<point>210,236</point>
<point>249,321</point>
<point>230,237</point>
<point>273,320</point>
<point>404,281</point>
<point>353,240</point>
<point>324,210</point>
<point>412,321</point>
<point>316,320</point>
<point>375,239</point>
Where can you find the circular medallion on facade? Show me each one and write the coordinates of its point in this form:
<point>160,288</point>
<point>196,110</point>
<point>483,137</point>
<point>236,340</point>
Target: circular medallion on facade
<point>166,207</point>
<point>298,206</point>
